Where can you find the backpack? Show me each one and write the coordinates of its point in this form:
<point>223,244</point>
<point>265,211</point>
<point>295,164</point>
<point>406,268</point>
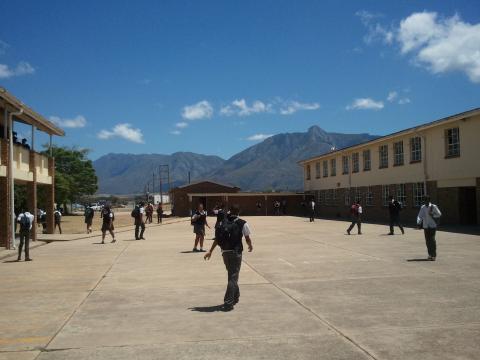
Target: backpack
<point>354,210</point>
<point>58,216</point>
<point>88,212</point>
<point>24,223</point>
<point>136,212</point>
<point>229,234</point>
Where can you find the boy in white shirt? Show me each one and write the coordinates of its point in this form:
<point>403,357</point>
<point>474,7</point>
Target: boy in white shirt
<point>427,218</point>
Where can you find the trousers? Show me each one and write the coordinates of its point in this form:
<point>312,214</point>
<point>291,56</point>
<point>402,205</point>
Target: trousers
<point>358,221</point>
<point>24,240</point>
<point>430,241</point>
<point>139,228</point>
<point>233,262</point>
<point>395,220</point>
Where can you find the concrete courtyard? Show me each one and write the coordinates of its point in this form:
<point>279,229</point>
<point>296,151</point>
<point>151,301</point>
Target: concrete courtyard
<point>308,291</point>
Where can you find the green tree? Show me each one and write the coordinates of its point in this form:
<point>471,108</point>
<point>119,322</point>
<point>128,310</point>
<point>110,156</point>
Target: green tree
<point>74,174</point>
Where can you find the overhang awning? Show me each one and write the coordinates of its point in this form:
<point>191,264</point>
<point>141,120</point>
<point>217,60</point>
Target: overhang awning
<point>29,116</point>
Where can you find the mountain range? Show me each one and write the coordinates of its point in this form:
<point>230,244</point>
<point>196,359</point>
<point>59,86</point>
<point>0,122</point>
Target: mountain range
<point>269,165</point>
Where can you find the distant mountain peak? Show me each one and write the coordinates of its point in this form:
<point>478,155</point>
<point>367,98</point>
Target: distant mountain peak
<point>316,130</point>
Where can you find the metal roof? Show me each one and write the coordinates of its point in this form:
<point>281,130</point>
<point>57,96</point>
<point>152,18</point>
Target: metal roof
<point>29,116</point>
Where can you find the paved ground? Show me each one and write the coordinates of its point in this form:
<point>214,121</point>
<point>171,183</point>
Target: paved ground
<point>308,292</point>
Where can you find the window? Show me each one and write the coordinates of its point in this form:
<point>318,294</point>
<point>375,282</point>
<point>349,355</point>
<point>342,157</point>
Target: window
<point>398,153</point>
<point>319,197</point>
<point>327,197</point>
<point>334,196</point>
<point>345,169</point>
<point>385,195</point>
<point>369,197</point>
<point>355,163</point>
<point>325,168</point>
<point>317,170</point>
<point>416,149</point>
<point>452,138</point>
<point>418,194</point>
<point>347,197</point>
<point>401,197</point>
<point>383,153</point>
<point>333,167</point>
<point>358,195</point>
<point>308,174</point>
<point>367,162</point>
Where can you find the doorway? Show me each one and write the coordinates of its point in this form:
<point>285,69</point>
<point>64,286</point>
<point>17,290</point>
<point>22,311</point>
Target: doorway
<point>467,205</point>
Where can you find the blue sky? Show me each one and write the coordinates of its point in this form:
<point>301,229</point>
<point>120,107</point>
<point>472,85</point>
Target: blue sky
<point>215,77</point>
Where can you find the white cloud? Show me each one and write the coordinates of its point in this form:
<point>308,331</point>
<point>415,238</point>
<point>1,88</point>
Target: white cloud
<point>392,95</point>
<point>175,132</point>
<point>197,111</point>
<point>240,107</point>
<point>22,68</point>
<point>181,125</point>
<point>77,122</point>
<point>258,137</point>
<point>124,131</point>
<point>291,107</point>
<point>365,104</point>
<point>404,101</point>
<point>442,44</point>
<point>375,31</point>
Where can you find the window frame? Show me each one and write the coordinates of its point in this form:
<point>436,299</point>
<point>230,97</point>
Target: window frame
<point>381,164</point>
<point>369,196</point>
<point>345,165</point>
<point>418,197</point>
<point>317,170</point>
<point>415,150</point>
<point>355,162</point>
<point>398,156</point>
<point>401,194</point>
<point>333,167</point>
<point>453,145</point>
<point>385,195</point>
<point>367,162</point>
<point>325,168</point>
<point>308,171</point>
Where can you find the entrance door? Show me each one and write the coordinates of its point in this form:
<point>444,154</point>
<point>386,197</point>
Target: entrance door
<point>467,202</point>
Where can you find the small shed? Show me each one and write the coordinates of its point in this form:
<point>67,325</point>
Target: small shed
<point>182,203</point>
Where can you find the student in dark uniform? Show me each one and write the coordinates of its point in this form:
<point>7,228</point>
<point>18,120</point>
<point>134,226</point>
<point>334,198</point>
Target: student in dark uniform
<point>394,208</point>
<point>108,218</point>
<point>199,221</point>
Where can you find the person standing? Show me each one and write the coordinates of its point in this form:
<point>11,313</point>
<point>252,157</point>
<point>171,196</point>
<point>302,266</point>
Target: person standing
<point>25,219</point>
<point>230,235</point>
<point>139,215</point>
<point>89,214</point>
<point>159,213</point>
<point>394,208</point>
<point>276,206</point>
<point>58,220</point>
<point>428,218</point>
<point>107,224</point>
<point>311,209</point>
<point>259,207</point>
<point>199,221</point>
<point>356,213</point>
<point>149,213</point>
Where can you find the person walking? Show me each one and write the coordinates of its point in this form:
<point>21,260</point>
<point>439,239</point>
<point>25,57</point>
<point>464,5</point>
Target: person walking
<point>159,213</point>
<point>139,215</point>
<point>58,220</point>
<point>107,224</point>
<point>89,214</point>
<point>25,219</point>
<point>394,208</point>
<point>311,209</point>
<point>428,218</point>
<point>356,213</point>
<point>276,206</point>
<point>149,213</point>
<point>199,221</point>
<point>230,235</point>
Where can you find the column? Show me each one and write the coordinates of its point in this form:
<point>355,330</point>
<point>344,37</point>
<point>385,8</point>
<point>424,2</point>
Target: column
<point>5,200</point>
<point>50,196</point>
<point>32,196</point>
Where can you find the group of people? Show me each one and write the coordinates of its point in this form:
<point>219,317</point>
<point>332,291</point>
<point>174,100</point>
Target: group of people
<point>427,219</point>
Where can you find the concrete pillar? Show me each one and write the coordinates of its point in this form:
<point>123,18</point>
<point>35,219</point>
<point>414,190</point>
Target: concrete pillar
<point>50,197</point>
<point>5,201</point>
<point>32,195</point>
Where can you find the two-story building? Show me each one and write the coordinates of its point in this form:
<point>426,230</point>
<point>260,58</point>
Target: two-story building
<point>440,158</point>
<point>21,164</point>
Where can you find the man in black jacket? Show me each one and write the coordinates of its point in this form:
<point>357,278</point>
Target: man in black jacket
<point>229,239</point>
<point>394,208</point>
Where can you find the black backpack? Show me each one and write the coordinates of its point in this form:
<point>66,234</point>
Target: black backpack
<point>229,234</point>
<point>89,212</point>
<point>136,212</point>
<point>24,223</point>
<point>57,215</point>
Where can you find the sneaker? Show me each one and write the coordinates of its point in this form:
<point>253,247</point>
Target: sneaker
<point>348,232</point>
<point>432,258</point>
<point>201,250</point>
<point>429,258</point>
<point>391,234</point>
<point>227,307</point>
<point>359,233</point>
<point>143,238</point>
<point>113,240</point>
<point>195,250</point>
<point>28,259</point>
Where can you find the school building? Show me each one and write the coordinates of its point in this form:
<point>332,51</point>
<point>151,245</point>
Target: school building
<point>209,193</point>
<point>20,164</point>
<point>440,158</point>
